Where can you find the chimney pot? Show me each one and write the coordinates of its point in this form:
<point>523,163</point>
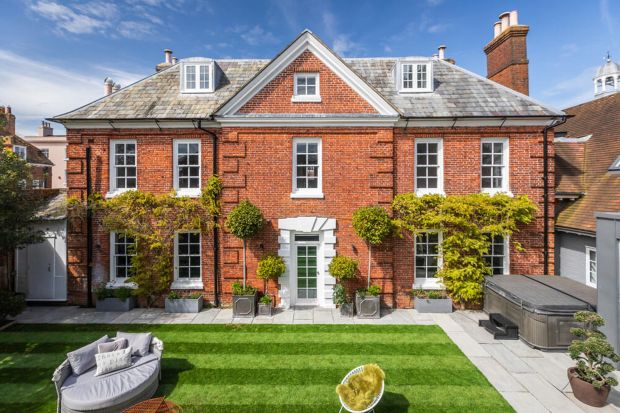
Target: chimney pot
<point>504,18</point>
<point>497,29</point>
<point>8,109</point>
<point>514,18</point>
<point>442,51</point>
<point>168,55</point>
<point>174,60</point>
<point>116,87</point>
<point>108,85</point>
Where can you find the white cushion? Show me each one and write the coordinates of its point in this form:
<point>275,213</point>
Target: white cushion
<point>113,360</point>
<point>83,358</point>
<point>140,342</point>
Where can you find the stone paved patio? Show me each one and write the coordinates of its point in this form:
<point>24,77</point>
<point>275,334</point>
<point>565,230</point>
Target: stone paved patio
<point>530,380</point>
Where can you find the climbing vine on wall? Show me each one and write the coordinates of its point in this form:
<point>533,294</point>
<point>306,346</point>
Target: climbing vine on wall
<point>468,223</point>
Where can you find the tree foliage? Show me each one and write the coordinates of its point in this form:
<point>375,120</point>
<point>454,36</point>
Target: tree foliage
<point>373,225</point>
<point>153,221</point>
<point>270,267</point>
<point>468,224</point>
<point>343,268</point>
<point>592,351</point>
<point>244,221</point>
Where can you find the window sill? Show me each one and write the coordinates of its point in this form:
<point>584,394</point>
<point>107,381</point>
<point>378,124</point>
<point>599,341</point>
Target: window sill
<point>118,192</point>
<point>318,195</point>
<point>121,284</point>
<point>428,284</point>
<point>436,192</point>
<point>187,285</point>
<point>496,191</point>
<point>189,194</point>
<point>413,91</point>
<point>302,98</point>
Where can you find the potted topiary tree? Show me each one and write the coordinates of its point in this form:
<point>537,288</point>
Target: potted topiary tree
<point>269,268</point>
<point>244,221</point>
<point>176,303</point>
<point>373,225</point>
<point>114,299</point>
<point>343,268</point>
<point>590,378</point>
<point>431,301</point>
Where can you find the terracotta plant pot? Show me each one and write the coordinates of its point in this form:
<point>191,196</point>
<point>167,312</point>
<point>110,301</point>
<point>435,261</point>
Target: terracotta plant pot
<point>586,392</point>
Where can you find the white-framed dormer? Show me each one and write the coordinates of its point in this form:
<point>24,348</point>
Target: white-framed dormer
<point>123,166</point>
<point>307,168</point>
<point>20,151</point>
<point>414,75</point>
<point>428,166</point>
<point>197,75</point>
<point>187,167</point>
<point>494,166</point>
<point>306,87</point>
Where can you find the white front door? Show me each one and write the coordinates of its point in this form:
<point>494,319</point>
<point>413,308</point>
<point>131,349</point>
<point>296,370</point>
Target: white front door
<point>306,274</point>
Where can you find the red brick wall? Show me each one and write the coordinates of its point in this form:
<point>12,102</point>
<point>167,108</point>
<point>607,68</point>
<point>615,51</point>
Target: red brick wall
<point>507,61</point>
<point>336,95</point>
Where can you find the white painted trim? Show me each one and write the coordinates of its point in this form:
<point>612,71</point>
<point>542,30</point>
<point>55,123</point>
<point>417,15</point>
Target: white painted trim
<point>190,192</point>
<point>505,166</point>
<point>190,283</point>
<point>307,41</point>
<point>573,140</point>
<point>313,122</point>
<point>25,157</point>
<point>440,186</point>
<point>307,98</point>
<point>112,190</point>
<point>196,63</point>
<point>588,251</point>
<point>113,281</point>
<point>307,192</point>
<point>429,283</point>
<point>138,124</point>
<point>415,63</point>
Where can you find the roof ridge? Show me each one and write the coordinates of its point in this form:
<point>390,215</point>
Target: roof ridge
<point>504,88</point>
<point>594,99</point>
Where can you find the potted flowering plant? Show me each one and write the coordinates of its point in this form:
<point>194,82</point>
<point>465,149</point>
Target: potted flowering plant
<point>590,379</point>
<point>191,303</point>
<point>431,301</point>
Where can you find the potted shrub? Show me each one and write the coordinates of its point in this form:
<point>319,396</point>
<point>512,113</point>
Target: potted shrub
<point>245,300</point>
<point>114,299</point>
<point>244,221</point>
<point>264,305</point>
<point>373,225</point>
<point>590,379</point>
<point>368,302</point>
<point>431,301</point>
<point>343,268</point>
<point>269,268</point>
<point>191,303</point>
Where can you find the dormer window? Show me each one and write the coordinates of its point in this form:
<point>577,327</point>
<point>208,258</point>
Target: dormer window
<point>197,76</point>
<point>306,88</point>
<point>415,77</point>
<point>20,151</point>
<point>615,166</point>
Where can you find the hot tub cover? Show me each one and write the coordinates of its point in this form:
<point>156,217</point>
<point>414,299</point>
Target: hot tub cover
<point>544,293</point>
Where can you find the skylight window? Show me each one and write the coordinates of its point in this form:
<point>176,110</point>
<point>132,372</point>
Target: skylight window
<point>413,77</point>
<point>615,166</point>
<point>197,76</point>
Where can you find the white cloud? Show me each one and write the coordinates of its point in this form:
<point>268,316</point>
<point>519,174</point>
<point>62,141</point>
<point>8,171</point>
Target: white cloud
<point>37,90</point>
<point>608,20</point>
<point>570,91</point>
<point>254,36</point>
<point>67,19</point>
<point>135,29</point>
<point>341,42</point>
<point>434,2</point>
<point>437,28</point>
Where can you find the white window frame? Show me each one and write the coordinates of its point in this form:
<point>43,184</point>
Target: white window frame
<point>308,192</point>
<point>505,188</point>
<point>45,152</point>
<point>196,64</point>
<point>191,192</point>
<point>588,251</point>
<point>400,81</point>
<point>429,283</point>
<point>113,190</point>
<point>439,189</point>
<point>114,281</point>
<point>18,153</point>
<point>307,98</point>
<point>186,283</point>
<point>506,258</point>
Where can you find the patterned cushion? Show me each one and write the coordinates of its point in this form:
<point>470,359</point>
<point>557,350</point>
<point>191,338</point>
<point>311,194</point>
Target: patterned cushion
<point>83,358</point>
<point>113,360</point>
<point>117,344</point>
<point>140,342</point>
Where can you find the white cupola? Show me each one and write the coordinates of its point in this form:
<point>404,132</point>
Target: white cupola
<point>607,79</point>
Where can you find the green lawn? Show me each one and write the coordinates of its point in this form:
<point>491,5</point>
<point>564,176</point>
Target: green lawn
<point>262,368</point>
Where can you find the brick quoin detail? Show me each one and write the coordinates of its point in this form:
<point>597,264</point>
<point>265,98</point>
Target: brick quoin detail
<point>336,95</point>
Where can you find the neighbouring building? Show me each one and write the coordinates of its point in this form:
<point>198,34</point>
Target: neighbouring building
<point>54,147</point>
<point>587,175</point>
<point>309,136</point>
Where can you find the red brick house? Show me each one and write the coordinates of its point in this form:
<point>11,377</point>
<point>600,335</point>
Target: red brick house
<point>309,137</point>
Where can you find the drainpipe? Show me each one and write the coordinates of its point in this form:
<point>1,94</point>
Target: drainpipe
<point>216,241</point>
<point>546,193</point>
<point>89,233</point>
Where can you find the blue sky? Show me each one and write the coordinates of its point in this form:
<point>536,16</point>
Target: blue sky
<point>55,54</point>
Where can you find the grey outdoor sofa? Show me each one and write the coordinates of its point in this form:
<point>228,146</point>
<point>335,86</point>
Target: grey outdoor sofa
<point>112,392</point>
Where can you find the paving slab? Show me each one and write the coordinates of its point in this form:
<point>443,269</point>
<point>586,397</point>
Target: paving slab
<point>466,344</point>
<point>550,370</point>
<point>261,319</point>
<point>446,322</point>
<point>497,375</point>
<point>551,398</point>
<point>323,317</point>
<point>303,315</point>
<point>206,316</point>
<point>128,317</point>
<point>507,358</point>
<point>520,349</point>
<point>523,402</point>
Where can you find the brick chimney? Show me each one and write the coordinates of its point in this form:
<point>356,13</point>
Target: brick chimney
<point>167,61</point>
<point>45,129</point>
<point>507,62</point>
<point>8,126</point>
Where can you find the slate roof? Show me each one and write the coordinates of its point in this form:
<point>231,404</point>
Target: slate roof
<point>457,93</point>
<point>54,207</point>
<point>584,166</point>
<point>33,154</point>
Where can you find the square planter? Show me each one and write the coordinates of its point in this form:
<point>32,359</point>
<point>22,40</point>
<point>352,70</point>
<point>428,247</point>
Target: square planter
<point>245,305</point>
<point>184,305</point>
<point>434,305</point>
<point>115,304</point>
<point>346,310</point>
<point>368,307</point>
<point>264,309</point>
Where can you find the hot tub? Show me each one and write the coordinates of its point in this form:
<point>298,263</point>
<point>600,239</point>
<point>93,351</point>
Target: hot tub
<point>542,306</point>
